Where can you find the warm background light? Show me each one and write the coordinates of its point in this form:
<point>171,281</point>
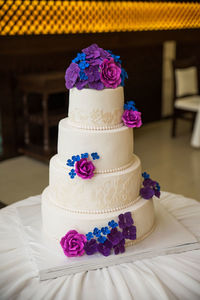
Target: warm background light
<point>63,17</point>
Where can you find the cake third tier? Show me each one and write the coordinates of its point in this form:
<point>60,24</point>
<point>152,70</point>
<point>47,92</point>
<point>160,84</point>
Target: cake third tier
<point>103,193</point>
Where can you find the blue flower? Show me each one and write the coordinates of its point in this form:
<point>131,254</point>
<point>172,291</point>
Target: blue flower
<point>84,155</point>
<point>157,186</point>
<point>76,158</point>
<point>115,57</point>
<point>89,236</point>
<point>105,230</point>
<point>79,57</point>
<point>130,105</point>
<point>72,173</point>
<point>97,232</point>
<point>112,224</point>
<point>83,76</point>
<point>145,175</point>
<point>70,163</point>
<point>123,76</point>
<point>101,239</point>
<point>83,64</point>
<point>95,155</point>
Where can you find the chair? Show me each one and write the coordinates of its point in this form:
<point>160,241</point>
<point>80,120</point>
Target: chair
<point>186,91</point>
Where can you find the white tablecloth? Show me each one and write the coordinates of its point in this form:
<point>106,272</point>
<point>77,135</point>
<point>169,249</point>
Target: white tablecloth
<point>175,276</point>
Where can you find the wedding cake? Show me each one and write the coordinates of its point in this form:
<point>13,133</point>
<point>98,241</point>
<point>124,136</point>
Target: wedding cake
<point>96,200</point>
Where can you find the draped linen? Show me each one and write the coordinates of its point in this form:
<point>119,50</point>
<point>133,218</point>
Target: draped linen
<point>174,276</point>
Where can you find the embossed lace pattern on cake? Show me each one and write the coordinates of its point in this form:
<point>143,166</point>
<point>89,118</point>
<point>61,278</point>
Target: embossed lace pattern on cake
<point>96,118</point>
<point>105,193</point>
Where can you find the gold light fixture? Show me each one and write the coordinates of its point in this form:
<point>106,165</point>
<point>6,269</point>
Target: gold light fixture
<point>63,17</point>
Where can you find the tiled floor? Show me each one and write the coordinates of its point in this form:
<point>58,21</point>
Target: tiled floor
<point>172,162</point>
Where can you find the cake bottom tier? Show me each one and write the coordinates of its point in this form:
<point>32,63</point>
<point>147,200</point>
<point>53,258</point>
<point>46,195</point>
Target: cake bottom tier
<point>57,221</point>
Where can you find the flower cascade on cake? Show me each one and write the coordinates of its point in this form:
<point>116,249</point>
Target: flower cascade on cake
<point>105,240</point>
<point>95,68</point>
<point>83,166</point>
<point>113,236</point>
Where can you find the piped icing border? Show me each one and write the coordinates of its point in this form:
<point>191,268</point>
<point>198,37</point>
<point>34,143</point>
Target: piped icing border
<point>107,171</point>
<point>78,125</point>
<point>103,211</point>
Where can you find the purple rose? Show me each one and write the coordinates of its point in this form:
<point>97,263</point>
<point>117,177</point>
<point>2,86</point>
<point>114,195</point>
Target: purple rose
<point>93,74</point>
<point>119,248</point>
<point>129,233</point>
<point>115,236</point>
<point>105,248</point>
<point>93,51</point>
<point>110,73</point>
<point>80,84</point>
<point>91,247</point>
<point>132,118</point>
<point>97,85</point>
<point>71,75</point>
<point>157,193</point>
<point>149,182</point>
<point>84,168</point>
<point>125,220</point>
<point>73,243</point>
<point>147,192</point>
<point>95,55</point>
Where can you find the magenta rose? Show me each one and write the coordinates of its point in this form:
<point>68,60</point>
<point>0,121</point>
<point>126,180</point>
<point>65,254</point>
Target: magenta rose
<point>71,75</point>
<point>132,118</point>
<point>84,168</point>
<point>73,243</point>
<point>110,73</point>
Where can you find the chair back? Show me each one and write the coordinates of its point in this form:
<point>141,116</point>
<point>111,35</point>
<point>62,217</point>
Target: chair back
<point>185,74</point>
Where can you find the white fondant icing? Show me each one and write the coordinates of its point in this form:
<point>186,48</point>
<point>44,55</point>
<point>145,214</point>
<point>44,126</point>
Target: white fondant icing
<point>94,125</point>
<point>93,109</point>
<point>58,221</point>
<point>115,147</point>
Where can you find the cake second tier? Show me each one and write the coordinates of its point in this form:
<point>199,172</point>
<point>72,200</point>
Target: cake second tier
<point>102,193</point>
<point>114,146</point>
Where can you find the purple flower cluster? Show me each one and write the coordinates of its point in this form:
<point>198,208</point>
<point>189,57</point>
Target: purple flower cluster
<point>76,244</point>
<point>131,116</point>
<point>95,68</point>
<point>150,187</point>
<point>115,239</point>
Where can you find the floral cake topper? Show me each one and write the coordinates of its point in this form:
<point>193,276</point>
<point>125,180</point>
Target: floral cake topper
<point>95,68</point>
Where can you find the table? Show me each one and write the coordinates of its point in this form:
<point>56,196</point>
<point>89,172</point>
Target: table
<point>175,276</point>
<point>43,85</point>
<point>195,140</point>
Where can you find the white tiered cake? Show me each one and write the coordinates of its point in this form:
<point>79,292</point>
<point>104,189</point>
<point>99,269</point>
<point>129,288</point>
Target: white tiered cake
<point>94,125</point>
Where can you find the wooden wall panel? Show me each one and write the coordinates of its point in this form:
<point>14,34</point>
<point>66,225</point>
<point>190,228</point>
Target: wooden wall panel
<point>141,53</point>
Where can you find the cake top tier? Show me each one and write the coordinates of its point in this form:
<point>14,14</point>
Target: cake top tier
<point>95,68</point>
